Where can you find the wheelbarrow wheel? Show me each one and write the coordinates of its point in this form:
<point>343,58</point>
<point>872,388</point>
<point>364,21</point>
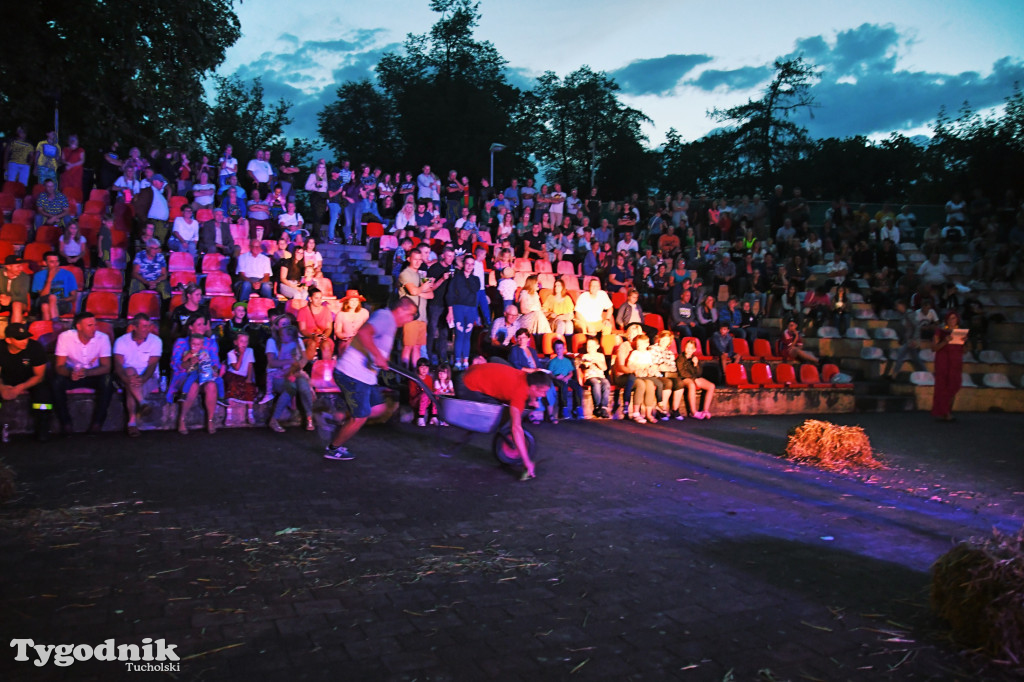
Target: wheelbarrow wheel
<point>504,447</point>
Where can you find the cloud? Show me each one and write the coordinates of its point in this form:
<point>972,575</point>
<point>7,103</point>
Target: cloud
<point>861,91</point>
<point>658,76</point>
<point>309,72</point>
<point>743,78</point>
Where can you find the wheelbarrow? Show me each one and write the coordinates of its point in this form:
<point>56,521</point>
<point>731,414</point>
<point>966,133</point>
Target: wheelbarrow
<point>474,416</point>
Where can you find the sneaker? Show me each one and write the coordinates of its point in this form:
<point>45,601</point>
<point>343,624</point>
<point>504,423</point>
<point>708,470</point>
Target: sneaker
<point>339,453</point>
<point>444,423</point>
<point>267,397</point>
<point>680,416</point>
<point>433,421</point>
<point>639,419</point>
<point>309,424</point>
<point>421,421</point>
<point>579,413</point>
<point>275,426</point>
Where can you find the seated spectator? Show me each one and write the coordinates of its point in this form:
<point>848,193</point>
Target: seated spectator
<point>290,221</point>
<point>563,375</point>
<point>733,317</point>
<point>240,373</point>
<point>707,317</point>
<point>663,353</point>
<point>82,361</point>
<point>593,311</point>
<point>253,272</point>
<point>349,319</point>
<point>791,345</point>
<point>286,378</point>
<point>419,400</point>
<point>504,329</point>
<point>935,271</point>
<point>618,277</point>
<point>149,271</point>
<point>836,270</point>
<point>73,248</point>
<point>532,319</point>
<point>23,371</point>
<point>817,307</point>
<point>725,273</point>
<point>192,303</point>
<point>233,202</point>
<point>534,243</point>
<point>52,208</point>
<point>136,358</point>
<point>54,289</point>
<point>750,322</point>
<point>683,317</point>
<point>291,278</point>
<point>647,386</point>
<point>592,371</point>
<point>316,326</point>
<point>203,192</point>
<point>215,236</point>
<point>842,310</point>
<point>524,356</point>
<point>196,367</point>
<point>559,309</point>
<point>313,257</point>
<point>14,289</point>
<point>185,232</point>
<point>690,374</point>
<point>721,345</point>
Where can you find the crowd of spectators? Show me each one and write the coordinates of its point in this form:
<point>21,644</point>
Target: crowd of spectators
<point>624,298</point>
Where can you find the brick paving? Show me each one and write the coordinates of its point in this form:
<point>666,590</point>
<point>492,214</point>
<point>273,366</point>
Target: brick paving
<point>679,551</point>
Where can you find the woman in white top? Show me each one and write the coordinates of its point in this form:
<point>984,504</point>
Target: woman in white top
<point>185,232</point>
<point>533,319</point>
<point>349,319</point>
<point>72,247</point>
<point>228,165</point>
<point>203,192</point>
<point>313,258</point>
<point>405,222</point>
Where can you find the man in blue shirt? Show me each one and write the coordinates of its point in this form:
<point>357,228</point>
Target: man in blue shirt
<point>563,373</point>
<point>54,289</point>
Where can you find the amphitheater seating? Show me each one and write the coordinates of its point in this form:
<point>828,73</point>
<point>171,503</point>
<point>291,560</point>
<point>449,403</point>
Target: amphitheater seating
<point>922,379</point>
<point>992,357</point>
<point>827,332</point>
<point>967,381</point>
<point>859,333</point>
<point>886,334</point>
<point>996,380</point>
<point>872,353</point>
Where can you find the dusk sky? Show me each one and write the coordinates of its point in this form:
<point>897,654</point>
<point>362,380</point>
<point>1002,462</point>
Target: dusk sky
<point>886,66</point>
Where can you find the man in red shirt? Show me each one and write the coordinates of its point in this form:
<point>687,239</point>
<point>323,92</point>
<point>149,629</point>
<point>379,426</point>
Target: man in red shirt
<point>514,387</point>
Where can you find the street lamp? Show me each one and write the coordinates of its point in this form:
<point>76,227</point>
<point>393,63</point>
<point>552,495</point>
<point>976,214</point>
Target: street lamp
<point>496,147</point>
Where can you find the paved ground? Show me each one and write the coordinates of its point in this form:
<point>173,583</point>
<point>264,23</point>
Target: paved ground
<point>678,551</point>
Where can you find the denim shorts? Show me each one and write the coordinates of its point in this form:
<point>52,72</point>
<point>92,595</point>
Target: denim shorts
<point>360,398</point>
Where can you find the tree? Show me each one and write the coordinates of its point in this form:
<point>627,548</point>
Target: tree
<point>582,130</point>
<point>762,128</point>
<point>451,97</point>
<point>118,69</point>
<point>361,125</point>
<point>240,118</point>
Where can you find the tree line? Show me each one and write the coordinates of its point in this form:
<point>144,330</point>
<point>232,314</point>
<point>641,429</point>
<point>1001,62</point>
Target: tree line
<point>116,70</point>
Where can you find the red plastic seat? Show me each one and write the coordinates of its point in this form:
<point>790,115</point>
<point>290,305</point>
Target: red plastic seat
<point>108,279</point>
<point>547,341</point>
<point>220,307</point>
<point>100,195</point>
<point>742,348</point>
<point>24,216</point>
<point>827,372</point>
<point>6,249</point>
<point>579,343</point>
<point>374,230</point>
<point>809,375</point>
<point>543,265</point>
<point>14,232</point>
<point>219,284</point>
<point>118,239</point>
<point>177,202</point>
<point>786,375</point>
<point>48,234</point>
<point>259,309</point>
<point>322,377</point>
<point>214,262</point>
<point>182,278</point>
<point>144,302</point>
<point>761,375</point>
<point>325,286</point>
<point>522,265</point>
<point>736,375</point>
<point>181,262</point>
<point>204,215</point>
<point>654,320</point>
<point>78,273</point>
<point>572,283</point>
<point>105,305</point>
<point>15,188</point>
<point>34,253</point>
<point>89,221</point>
<point>94,207</point>
<point>74,194</point>
<point>40,328</point>
<point>566,268</point>
<point>763,350</point>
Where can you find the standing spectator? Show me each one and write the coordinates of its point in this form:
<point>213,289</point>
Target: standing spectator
<point>260,171</point>
<point>949,359</point>
<point>150,204</point>
<point>462,309</point>
<point>228,166</point>
<point>287,174</point>
<point>335,202</point>
<point>136,357</point>
<point>73,161</point>
<point>18,157</point>
<point>414,330</point>
<point>47,157</point>
<point>82,361</point>
<point>253,272</point>
<point>316,186</point>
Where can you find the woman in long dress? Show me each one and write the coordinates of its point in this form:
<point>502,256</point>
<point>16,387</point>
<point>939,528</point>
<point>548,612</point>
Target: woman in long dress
<point>949,366</point>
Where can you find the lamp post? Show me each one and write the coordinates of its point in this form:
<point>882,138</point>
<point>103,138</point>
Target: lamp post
<point>496,147</point>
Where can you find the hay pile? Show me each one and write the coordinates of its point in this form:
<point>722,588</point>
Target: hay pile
<point>829,446</point>
<point>6,482</point>
<point>978,588</point>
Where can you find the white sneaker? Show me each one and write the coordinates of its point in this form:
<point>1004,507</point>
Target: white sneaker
<point>421,421</point>
<point>267,397</point>
<point>433,421</point>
